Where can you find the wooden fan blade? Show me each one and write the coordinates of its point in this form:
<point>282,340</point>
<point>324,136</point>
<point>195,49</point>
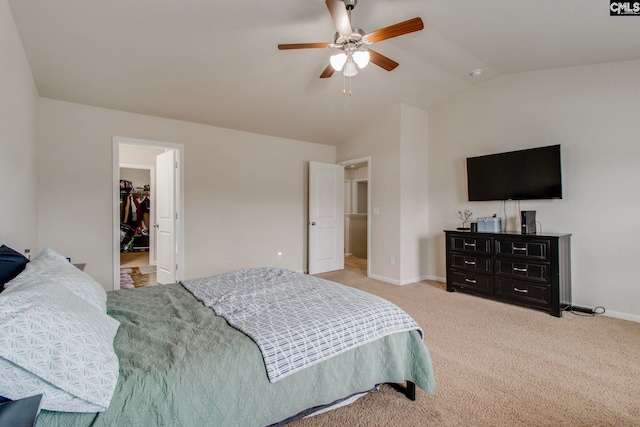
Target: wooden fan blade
<point>396,30</point>
<point>382,61</point>
<point>340,16</point>
<point>304,46</point>
<point>328,72</point>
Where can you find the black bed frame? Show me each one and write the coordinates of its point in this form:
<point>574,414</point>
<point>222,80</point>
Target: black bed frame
<point>409,390</point>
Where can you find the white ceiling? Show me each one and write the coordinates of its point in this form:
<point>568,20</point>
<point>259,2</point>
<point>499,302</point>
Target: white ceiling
<point>216,62</point>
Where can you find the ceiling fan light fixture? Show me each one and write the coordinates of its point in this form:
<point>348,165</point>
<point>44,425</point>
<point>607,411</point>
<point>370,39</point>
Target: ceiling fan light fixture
<point>352,42</point>
<point>338,60</point>
<point>361,58</point>
<point>350,69</point>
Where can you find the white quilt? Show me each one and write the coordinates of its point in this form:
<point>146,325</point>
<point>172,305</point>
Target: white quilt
<point>298,320</point>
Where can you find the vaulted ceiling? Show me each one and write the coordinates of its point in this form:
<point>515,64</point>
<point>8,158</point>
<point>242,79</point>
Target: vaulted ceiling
<point>217,62</point>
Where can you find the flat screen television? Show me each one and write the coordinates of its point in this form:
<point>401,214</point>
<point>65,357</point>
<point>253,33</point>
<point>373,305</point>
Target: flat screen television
<point>516,175</point>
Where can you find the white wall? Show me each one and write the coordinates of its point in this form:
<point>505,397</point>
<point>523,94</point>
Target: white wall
<point>140,156</point>
<point>18,140</point>
<point>380,139</point>
<point>245,194</point>
<point>139,177</point>
<point>414,194</point>
<point>592,112</point>
<point>397,143</point>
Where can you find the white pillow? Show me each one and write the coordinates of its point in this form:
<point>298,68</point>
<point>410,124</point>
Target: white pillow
<point>53,342</point>
<point>55,268</point>
<point>23,384</point>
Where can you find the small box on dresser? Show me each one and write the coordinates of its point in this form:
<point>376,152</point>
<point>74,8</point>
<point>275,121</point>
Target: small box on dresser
<point>524,269</point>
<point>489,224</point>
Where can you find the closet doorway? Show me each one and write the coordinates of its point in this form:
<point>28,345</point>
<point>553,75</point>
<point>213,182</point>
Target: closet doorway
<point>148,228</point>
<point>137,216</point>
<point>357,227</point>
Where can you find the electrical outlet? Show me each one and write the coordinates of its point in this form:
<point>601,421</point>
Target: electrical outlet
<point>392,260</point>
<point>279,256</point>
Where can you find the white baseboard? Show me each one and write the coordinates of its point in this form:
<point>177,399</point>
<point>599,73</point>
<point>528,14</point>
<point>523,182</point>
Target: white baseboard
<point>417,279</point>
<point>623,316</point>
<point>385,279</point>
<point>407,281</point>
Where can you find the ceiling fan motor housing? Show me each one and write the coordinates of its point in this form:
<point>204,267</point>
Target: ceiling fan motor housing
<point>355,37</point>
<point>350,4</point>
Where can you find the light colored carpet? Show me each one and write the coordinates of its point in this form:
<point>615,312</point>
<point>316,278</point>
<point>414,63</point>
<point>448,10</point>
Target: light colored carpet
<point>502,365</point>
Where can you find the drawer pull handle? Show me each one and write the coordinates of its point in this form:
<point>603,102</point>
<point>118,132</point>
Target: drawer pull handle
<point>469,262</point>
<point>519,249</point>
<point>524,270</point>
<point>523,291</point>
<point>473,245</point>
<point>470,281</point>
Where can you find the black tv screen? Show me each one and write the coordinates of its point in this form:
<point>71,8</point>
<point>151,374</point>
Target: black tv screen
<point>517,175</point>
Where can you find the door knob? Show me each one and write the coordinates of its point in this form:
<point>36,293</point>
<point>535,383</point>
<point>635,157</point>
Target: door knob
<point>313,223</point>
<point>156,225</point>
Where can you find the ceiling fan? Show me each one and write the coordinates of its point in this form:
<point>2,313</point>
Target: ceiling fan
<point>353,43</point>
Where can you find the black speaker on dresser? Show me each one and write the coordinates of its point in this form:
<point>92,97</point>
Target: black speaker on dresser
<point>528,222</point>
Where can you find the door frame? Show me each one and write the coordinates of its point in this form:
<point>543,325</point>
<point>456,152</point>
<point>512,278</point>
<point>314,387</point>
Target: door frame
<point>366,159</point>
<point>115,229</point>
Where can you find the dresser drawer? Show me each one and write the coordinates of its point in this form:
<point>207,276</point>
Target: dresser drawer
<point>535,250</point>
<point>522,291</point>
<point>471,244</point>
<point>472,282</point>
<point>470,262</point>
<point>522,270</point>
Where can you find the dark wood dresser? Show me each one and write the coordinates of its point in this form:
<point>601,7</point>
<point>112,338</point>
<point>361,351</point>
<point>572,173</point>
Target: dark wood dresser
<point>532,270</point>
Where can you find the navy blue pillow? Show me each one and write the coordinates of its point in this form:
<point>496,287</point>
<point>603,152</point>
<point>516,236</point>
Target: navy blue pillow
<point>11,264</point>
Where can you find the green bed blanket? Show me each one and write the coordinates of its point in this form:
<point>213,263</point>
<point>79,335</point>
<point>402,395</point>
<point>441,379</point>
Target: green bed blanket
<point>181,365</point>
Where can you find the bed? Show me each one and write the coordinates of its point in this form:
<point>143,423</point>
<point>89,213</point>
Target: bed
<point>178,363</point>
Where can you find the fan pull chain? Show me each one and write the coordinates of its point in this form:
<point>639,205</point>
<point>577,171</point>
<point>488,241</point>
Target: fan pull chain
<point>346,83</point>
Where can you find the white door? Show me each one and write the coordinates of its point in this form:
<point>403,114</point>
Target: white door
<point>326,217</point>
<point>166,165</point>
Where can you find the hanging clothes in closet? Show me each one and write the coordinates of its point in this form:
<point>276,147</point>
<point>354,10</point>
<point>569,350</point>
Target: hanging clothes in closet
<point>135,208</point>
